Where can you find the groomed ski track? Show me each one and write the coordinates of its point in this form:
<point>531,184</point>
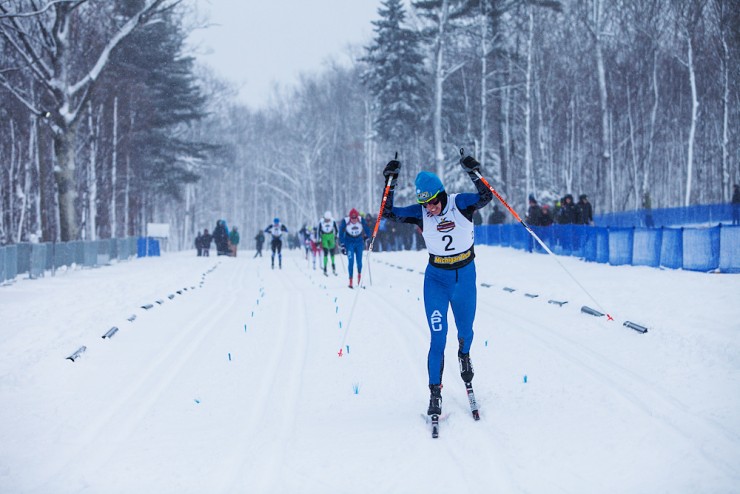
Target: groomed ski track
<point>235,385</point>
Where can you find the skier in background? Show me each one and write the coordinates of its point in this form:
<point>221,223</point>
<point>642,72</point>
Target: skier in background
<point>315,242</point>
<point>352,233</point>
<point>276,230</point>
<point>446,221</point>
<point>328,231</point>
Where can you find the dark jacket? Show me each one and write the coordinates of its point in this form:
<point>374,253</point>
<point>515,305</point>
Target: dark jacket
<point>584,211</point>
<point>567,214</point>
<point>221,237</point>
<point>534,214</point>
<point>205,240</point>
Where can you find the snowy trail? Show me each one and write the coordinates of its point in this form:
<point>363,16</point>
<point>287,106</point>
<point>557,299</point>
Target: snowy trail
<point>236,385</point>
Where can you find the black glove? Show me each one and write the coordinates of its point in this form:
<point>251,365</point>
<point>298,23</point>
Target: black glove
<point>344,250</point>
<point>391,170</point>
<point>469,164</point>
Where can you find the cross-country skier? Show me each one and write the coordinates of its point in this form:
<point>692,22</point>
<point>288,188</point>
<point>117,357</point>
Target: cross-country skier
<point>352,233</point>
<point>446,221</point>
<point>276,230</point>
<point>328,231</point>
<point>315,241</point>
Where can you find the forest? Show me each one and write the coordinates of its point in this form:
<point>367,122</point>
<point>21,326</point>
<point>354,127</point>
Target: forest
<point>108,123</point>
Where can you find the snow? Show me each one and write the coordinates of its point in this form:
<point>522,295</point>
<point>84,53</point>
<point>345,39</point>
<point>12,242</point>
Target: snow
<point>235,384</point>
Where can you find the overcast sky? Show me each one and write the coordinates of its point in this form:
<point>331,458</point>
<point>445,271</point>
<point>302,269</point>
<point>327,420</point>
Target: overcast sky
<point>255,43</point>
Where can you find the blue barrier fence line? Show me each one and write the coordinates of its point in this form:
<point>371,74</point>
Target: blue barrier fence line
<point>715,249</point>
<point>703,214</point>
<point>38,258</point>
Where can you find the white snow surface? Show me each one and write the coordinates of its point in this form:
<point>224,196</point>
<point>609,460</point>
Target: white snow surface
<point>235,385</point>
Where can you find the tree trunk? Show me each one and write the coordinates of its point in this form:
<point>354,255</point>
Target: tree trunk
<point>64,175</point>
<point>726,187</point>
<point>113,219</point>
<point>439,77</point>
<point>528,179</point>
<point>483,87</point>
<point>694,118</point>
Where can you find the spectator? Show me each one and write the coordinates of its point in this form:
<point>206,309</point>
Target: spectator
<point>477,218</point>
<point>736,205</point>
<point>199,244</point>
<point>584,211</point>
<point>233,241</point>
<point>206,242</point>
<point>221,238</point>
<point>497,216</point>
<point>567,213</point>
<point>546,216</point>
<point>534,213</point>
<point>260,241</point>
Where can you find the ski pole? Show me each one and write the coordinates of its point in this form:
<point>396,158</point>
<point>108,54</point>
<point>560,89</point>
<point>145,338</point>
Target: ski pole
<point>380,213</point>
<point>537,238</point>
<point>370,249</point>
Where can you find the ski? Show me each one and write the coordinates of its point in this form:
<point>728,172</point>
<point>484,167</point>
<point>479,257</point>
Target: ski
<point>471,399</point>
<point>435,421</point>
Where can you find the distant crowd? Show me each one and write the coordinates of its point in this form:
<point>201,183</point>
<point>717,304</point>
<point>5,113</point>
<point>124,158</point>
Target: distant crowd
<point>564,212</point>
<point>226,241</point>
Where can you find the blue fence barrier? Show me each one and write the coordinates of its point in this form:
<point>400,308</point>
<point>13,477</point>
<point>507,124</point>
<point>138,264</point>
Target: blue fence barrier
<point>704,214</point>
<point>147,246</point>
<point>38,258</point>
<point>697,249</point>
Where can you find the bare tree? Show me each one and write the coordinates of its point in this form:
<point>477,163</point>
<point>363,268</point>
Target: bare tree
<point>44,39</point>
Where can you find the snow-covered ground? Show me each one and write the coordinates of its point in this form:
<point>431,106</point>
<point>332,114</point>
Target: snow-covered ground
<point>235,384</point>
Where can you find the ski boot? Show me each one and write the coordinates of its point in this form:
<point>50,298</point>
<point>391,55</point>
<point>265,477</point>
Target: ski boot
<point>466,366</point>
<point>334,270</point>
<point>435,399</point>
<point>350,282</point>
<point>359,277</point>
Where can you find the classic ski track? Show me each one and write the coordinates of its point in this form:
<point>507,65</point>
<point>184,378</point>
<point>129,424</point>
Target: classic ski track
<point>275,399</point>
<point>602,368</point>
<point>144,391</point>
<point>482,435</point>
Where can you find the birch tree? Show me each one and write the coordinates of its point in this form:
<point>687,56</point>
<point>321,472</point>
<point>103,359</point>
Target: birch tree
<point>45,39</point>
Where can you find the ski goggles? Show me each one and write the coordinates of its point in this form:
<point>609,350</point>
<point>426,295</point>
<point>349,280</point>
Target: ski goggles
<point>424,198</point>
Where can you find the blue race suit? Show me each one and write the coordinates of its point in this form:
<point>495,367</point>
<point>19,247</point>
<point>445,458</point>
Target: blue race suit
<point>353,239</point>
<point>449,280</point>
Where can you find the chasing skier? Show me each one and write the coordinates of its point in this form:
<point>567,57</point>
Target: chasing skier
<point>352,233</point>
<point>328,231</point>
<point>276,230</point>
<point>446,221</point>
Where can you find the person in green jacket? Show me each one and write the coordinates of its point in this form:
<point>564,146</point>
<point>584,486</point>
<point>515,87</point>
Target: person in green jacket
<point>233,241</point>
<point>328,231</point>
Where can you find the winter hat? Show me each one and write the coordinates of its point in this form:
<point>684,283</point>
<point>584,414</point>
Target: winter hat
<point>531,198</point>
<point>428,186</point>
<point>327,215</point>
<point>276,220</point>
<point>353,213</point>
